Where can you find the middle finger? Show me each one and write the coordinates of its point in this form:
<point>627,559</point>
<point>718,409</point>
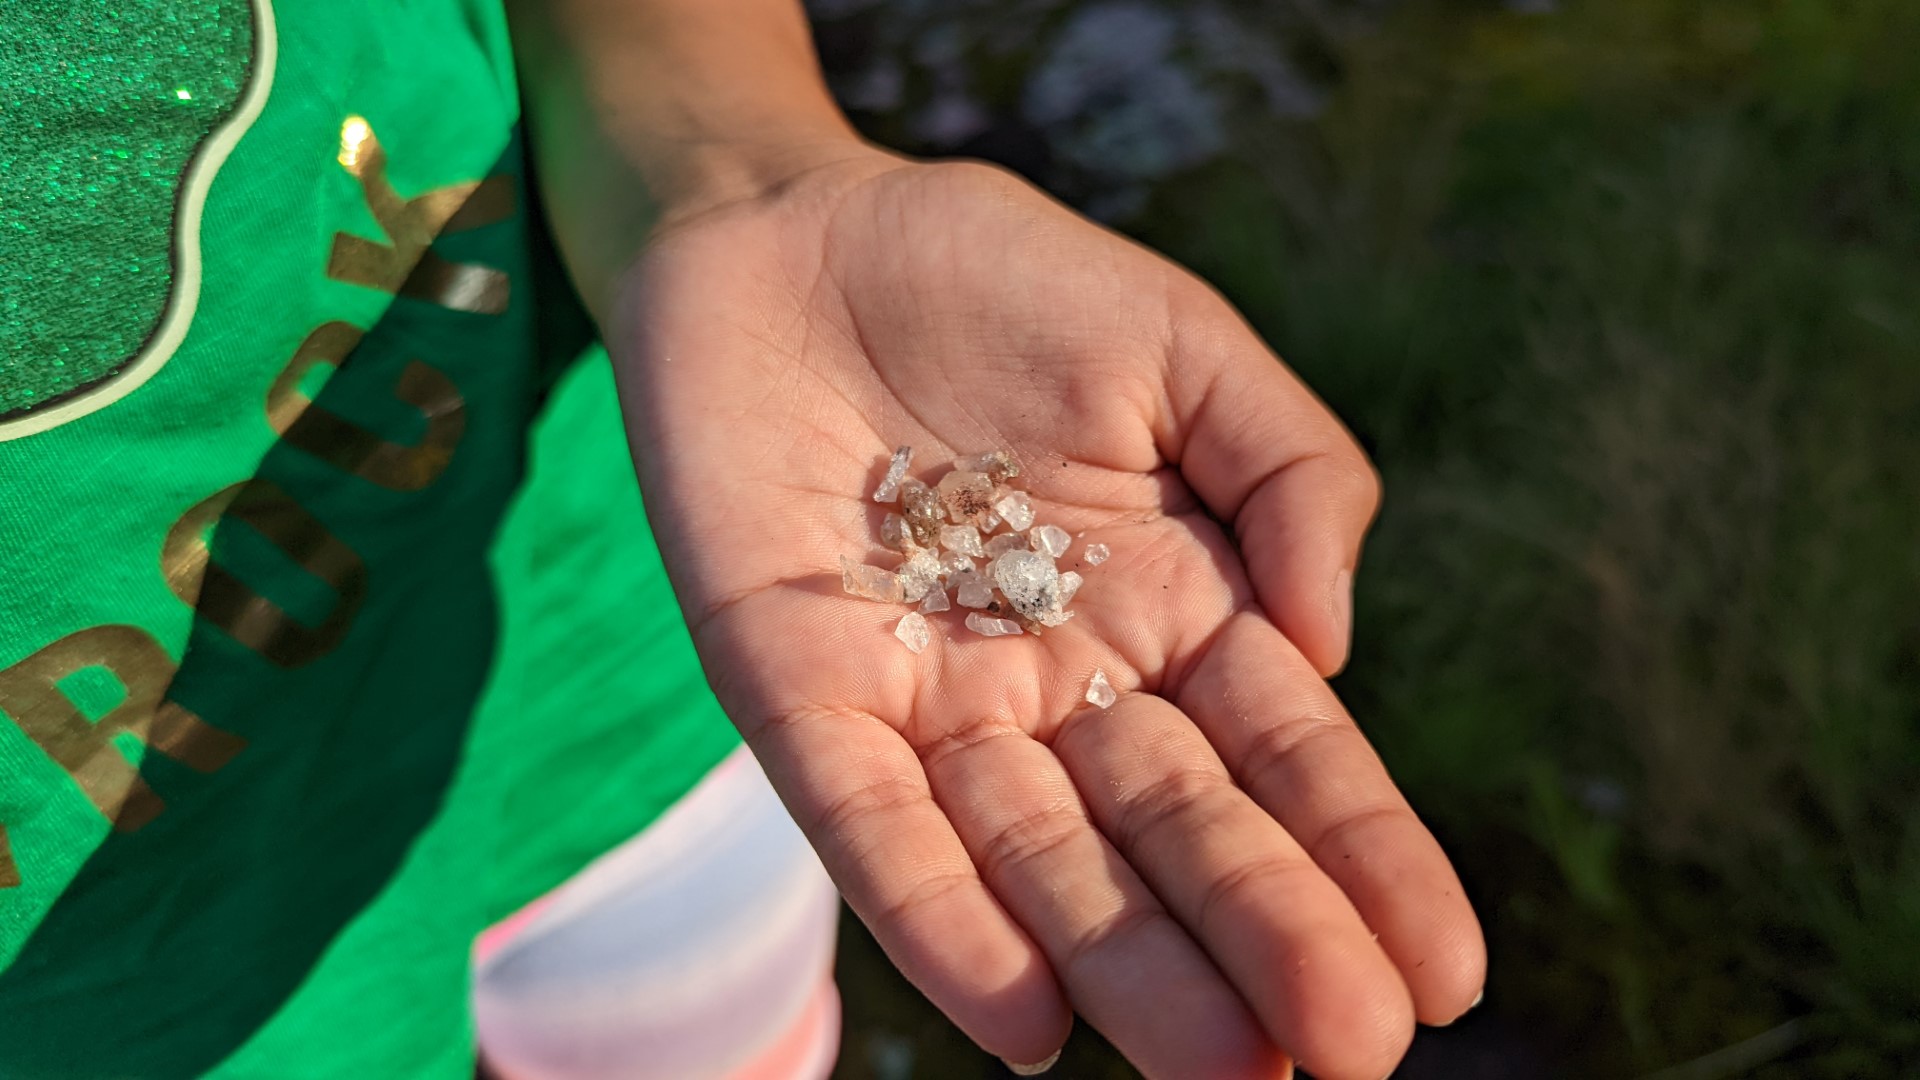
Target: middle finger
<point>1127,966</point>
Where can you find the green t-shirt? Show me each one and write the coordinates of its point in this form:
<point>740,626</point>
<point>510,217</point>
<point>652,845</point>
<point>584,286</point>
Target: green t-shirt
<point>330,625</point>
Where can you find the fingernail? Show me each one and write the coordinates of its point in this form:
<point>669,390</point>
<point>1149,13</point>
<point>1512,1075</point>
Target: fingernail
<point>1342,604</point>
<point>1031,1070</point>
<point>1474,1004</point>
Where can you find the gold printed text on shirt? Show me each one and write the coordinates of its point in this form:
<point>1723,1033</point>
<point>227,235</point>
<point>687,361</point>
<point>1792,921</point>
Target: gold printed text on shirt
<point>30,692</point>
<point>9,873</point>
<point>183,554</point>
<point>401,467</point>
<point>352,448</point>
<point>406,265</point>
<point>255,620</point>
<point>329,344</point>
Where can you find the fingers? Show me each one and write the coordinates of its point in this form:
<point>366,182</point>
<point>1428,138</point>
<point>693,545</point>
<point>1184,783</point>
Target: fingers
<point>1281,931</point>
<point>859,794</point>
<point>1270,460</point>
<point>1128,967</point>
<point>1291,746</point>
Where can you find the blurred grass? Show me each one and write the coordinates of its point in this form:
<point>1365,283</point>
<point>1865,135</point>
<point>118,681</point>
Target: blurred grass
<point>1625,301</point>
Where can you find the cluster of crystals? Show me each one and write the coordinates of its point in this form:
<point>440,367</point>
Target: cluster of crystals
<point>949,536</point>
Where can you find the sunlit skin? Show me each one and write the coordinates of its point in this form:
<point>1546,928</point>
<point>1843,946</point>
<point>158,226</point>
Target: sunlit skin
<point>1216,872</point>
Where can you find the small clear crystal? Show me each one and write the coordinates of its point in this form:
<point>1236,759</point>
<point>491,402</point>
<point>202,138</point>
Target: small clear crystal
<point>918,574</point>
<point>913,632</point>
<point>1003,543</point>
<point>952,562</point>
<point>970,590</point>
<point>999,546</point>
<point>999,465</point>
<point>1031,583</point>
<point>923,510</point>
<point>1070,583</point>
<point>870,582</point>
<point>896,471</point>
<point>1016,509</point>
<point>894,534</point>
<point>1052,540</point>
<point>988,626</point>
<point>935,602</point>
<point>1097,554</point>
<point>964,539</point>
<point>1099,691</point>
<point>968,495</point>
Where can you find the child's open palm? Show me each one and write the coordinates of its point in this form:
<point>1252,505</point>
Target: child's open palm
<point>1216,872</point>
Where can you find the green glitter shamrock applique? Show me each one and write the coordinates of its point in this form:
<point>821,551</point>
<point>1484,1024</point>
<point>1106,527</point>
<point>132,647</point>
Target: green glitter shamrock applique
<point>114,119</point>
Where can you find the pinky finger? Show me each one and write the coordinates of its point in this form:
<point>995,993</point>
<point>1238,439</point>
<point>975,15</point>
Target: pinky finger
<point>859,793</point>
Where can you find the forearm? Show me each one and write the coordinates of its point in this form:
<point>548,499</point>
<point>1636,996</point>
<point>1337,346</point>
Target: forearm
<point>641,110</point>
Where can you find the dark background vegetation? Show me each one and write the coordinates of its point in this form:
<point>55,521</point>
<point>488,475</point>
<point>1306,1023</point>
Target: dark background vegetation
<point>1623,296</point>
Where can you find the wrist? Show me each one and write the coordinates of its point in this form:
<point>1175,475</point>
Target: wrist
<point>645,113</point>
<point>689,179</point>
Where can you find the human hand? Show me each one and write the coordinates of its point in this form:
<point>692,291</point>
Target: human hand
<point>1216,872</point>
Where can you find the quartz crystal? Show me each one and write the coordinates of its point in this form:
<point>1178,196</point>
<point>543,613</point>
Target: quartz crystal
<point>999,465</point>
<point>918,574</point>
<point>890,483</point>
<point>894,534</point>
<point>970,590</point>
<point>1052,540</point>
<point>1031,583</point>
<point>913,631</point>
<point>936,601</point>
<point>1016,509</point>
<point>1000,545</point>
<point>1097,554</point>
<point>988,626</point>
<point>1099,691</point>
<point>870,582</point>
<point>923,510</point>
<point>968,495</point>
<point>952,562</point>
<point>1003,543</point>
<point>964,539</point>
<point>1069,585</point>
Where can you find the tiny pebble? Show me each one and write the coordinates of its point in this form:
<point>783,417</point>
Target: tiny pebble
<point>935,602</point>
<point>1097,554</point>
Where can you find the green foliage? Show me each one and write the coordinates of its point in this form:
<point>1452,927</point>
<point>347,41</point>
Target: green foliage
<point>1623,300</point>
